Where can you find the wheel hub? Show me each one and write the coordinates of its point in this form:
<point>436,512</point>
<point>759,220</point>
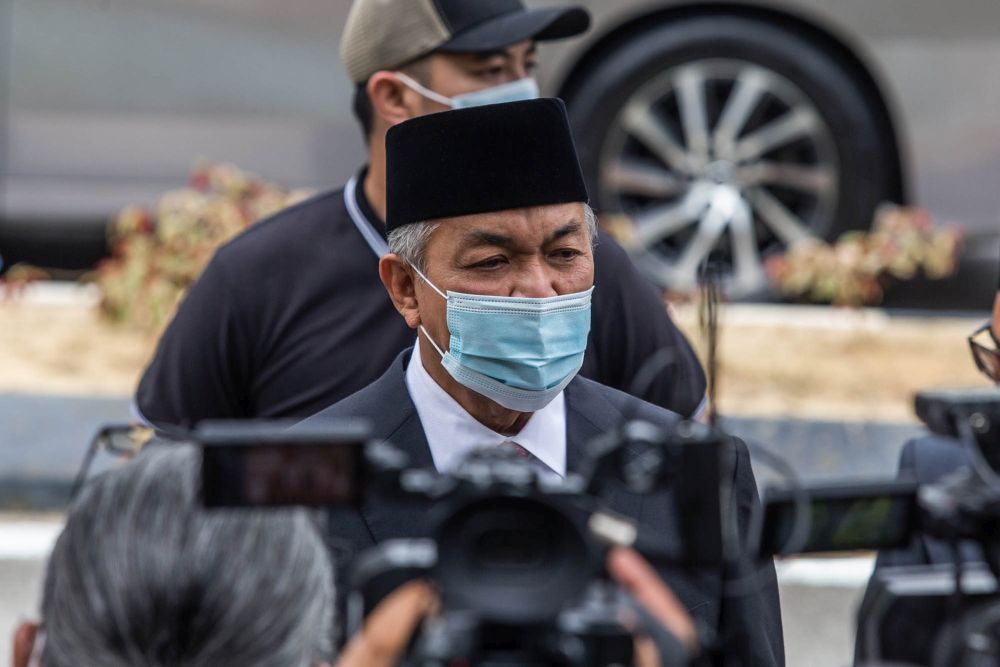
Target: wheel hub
<point>722,172</point>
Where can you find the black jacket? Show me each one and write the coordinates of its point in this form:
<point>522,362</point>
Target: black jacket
<point>924,460</point>
<point>592,410</point>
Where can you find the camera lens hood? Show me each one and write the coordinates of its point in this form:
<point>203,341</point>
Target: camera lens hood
<point>514,558</point>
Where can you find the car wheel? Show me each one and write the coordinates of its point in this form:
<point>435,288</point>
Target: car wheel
<point>731,137</point>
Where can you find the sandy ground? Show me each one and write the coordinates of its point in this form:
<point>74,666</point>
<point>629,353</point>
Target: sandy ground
<point>67,350</point>
<point>826,363</point>
<point>775,361</point>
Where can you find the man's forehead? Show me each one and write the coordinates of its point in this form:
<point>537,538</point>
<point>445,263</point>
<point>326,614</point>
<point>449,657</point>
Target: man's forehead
<point>537,223</point>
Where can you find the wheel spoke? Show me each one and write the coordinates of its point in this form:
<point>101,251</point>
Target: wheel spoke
<point>748,272</point>
<point>641,178</point>
<point>640,122</point>
<point>815,179</point>
<point>684,272</point>
<point>747,92</point>
<point>662,221</point>
<point>694,117</point>
<point>798,122</point>
<point>788,228</point>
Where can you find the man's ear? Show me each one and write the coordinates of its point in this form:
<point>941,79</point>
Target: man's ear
<point>24,642</point>
<point>400,283</point>
<point>391,100</point>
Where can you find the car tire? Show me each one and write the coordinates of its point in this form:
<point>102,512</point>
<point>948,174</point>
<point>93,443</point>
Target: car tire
<point>846,161</point>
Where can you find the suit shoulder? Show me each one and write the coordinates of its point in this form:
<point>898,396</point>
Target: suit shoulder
<point>357,405</point>
<point>931,457</point>
<point>625,406</point>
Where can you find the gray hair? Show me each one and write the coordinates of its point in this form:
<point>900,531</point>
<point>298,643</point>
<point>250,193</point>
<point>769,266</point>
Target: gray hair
<point>410,241</point>
<point>142,576</point>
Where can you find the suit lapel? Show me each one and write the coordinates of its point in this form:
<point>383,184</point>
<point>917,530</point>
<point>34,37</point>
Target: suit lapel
<point>587,417</point>
<point>589,414</point>
<point>395,420</point>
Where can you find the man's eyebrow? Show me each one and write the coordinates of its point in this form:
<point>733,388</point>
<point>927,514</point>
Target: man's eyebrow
<point>568,229</point>
<point>479,237</point>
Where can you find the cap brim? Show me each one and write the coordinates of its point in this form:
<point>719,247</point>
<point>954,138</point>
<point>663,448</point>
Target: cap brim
<point>536,24</point>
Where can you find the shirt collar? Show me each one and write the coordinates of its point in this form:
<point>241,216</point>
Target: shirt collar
<point>452,432</point>
<point>371,228</point>
<point>365,207</point>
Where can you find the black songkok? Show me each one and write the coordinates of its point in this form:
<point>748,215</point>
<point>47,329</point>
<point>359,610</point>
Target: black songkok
<point>481,159</point>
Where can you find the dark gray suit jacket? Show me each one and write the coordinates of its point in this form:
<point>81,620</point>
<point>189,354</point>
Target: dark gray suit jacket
<point>592,409</point>
<point>926,460</point>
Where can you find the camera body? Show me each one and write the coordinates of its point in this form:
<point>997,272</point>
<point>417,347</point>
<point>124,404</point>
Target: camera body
<point>519,574</point>
<point>920,615</point>
<point>517,556</point>
<point>925,616</point>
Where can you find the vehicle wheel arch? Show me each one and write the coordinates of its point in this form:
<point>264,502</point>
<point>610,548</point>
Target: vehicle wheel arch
<point>837,44</point>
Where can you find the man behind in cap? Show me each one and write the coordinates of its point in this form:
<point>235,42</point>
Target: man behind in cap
<point>491,261</point>
<point>291,316</point>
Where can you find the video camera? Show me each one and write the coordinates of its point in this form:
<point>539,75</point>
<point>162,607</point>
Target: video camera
<point>518,556</point>
<point>921,615</point>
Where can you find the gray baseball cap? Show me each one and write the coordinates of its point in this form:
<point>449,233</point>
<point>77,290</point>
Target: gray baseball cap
<point>384,34</point>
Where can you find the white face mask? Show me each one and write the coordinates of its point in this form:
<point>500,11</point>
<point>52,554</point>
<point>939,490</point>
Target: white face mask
<point>512,91</point>
<point>519,352</point>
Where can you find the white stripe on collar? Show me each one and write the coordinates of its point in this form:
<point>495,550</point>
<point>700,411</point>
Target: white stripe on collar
<point>373,238</point>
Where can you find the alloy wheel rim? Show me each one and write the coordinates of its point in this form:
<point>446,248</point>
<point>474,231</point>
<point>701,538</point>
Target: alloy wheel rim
<point>721,158</point>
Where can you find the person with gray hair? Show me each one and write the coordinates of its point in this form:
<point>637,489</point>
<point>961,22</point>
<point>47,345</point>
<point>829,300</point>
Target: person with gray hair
<point>143,576</point>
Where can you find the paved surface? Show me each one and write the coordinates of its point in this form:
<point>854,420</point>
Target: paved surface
<point>44,438</point>
<point>819,450</point>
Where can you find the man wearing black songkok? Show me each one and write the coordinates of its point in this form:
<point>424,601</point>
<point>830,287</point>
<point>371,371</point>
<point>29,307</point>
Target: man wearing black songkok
<point>290,316</point>
<point>491,261</point>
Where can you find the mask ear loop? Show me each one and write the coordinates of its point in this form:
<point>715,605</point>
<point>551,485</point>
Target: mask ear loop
<point>443,296</point>
<point>427,280</point>
<point>431,341</point>
<point>423,90</point>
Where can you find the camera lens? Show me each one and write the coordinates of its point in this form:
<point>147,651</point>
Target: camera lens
<point>512,558</point>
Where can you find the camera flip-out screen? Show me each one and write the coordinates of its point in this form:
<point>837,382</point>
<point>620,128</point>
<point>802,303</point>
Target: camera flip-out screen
<point>262,464</point>
<point>838,518</point>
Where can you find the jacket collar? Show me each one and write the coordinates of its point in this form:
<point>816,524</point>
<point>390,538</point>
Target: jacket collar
<point>587,416</point>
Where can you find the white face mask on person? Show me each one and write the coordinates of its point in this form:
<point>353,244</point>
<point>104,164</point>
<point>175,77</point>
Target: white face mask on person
<point>512,91</point>
<point>519,352</point>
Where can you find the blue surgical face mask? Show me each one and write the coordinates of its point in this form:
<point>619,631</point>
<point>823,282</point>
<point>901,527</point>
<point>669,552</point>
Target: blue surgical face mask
<point>519,352</point>
<point>513,91</point>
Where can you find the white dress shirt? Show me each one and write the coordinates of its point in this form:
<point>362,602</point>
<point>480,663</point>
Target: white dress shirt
<point>452,432</point>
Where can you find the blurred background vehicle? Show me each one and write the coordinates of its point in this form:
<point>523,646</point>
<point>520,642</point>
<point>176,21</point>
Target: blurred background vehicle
<point>740,127</point>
